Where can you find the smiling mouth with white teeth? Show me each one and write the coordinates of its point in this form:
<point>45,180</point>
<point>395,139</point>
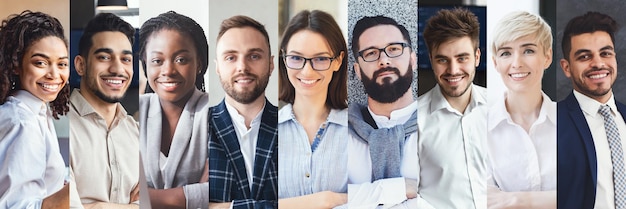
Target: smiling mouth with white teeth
<point>598,76</point>
<point>453,79</point>
<point>169,84</point>
<point>111,81</point>
<point>308,81</point>
<point>50,87</point>
<point>519,75</point>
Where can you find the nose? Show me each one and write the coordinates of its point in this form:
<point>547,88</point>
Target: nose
<point>167,69</point>
<point>383,60</point>
<point>517,62</point>
<point>53,72</point>
<point>454,67</point>
<point>241,65</point>
<point>117,67</point>
<point>308,68</point>
<point>597,62</point>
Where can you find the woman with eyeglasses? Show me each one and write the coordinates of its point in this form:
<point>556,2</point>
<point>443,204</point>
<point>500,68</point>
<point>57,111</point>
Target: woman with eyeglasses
<point>33,90</point>
<point>313,126</point>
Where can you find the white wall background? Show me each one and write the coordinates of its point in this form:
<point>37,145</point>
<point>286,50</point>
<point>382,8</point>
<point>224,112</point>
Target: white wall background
<point>265,12</point>
<point>497,9</point>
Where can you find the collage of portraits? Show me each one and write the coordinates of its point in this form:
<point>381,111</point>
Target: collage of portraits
<point>298,104</point>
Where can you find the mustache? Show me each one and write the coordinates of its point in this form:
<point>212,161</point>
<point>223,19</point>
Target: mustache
<point>386,69</point>
<point>245,74</point>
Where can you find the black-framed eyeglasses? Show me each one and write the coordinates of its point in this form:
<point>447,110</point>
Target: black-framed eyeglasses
<point>297,62</point>
<point>392,50</point>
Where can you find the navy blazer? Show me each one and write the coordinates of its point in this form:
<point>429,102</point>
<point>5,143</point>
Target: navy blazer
<point>577,174</point>
<point>228,180</point>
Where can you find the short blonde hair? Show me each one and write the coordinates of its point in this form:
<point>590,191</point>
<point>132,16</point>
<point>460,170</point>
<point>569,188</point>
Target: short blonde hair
<point>520,24</point>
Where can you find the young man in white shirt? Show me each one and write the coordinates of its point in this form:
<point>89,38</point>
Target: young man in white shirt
<point>590,127</point>
<point>382,164</point>
<point>453,115</point>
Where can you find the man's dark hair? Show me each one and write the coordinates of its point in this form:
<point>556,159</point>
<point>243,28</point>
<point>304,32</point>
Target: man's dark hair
<point>241,21</point>
<point>587,23</point>
<point>451,24</point>
<point>101,23</point>
<point>369,22</point>
<point>186,27</point>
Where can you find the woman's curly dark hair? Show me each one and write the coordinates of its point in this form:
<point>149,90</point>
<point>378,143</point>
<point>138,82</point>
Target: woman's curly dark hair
<point>18,32</point>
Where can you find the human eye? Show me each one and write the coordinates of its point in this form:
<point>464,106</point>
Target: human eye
<point>63,65</point>
<point>583,57</point>
<point>529,51</point>
<point>462,59</point>
<point>606,54</point>
<point>103,57</point>
<point>255,56</point>
<point>40,63</point>
<point>295,58</point>
<point>442,61</point>
<point>321,59</point>
<point>127,59</point>
<point>156,61</point>
<point>181,60</point>
<point>370,53</point>
<point>505,54</point>
<point>230,58</point>
<point>394,48</point>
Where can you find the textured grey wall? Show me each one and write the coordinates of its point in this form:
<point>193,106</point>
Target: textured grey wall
<point>567,10</point>
<point>403,11</point>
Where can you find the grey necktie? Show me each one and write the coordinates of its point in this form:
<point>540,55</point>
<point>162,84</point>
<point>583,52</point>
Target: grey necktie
<point>615,144</point>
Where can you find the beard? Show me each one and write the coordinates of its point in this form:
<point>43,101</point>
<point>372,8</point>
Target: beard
<point>388,91</point>
<point>92,85</point>
<point>584,89</point>
<point>246,97</point>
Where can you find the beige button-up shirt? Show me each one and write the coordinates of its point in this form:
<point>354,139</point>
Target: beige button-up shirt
<point>104,161</point>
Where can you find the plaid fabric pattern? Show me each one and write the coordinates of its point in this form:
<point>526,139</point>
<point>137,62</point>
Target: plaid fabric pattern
<point>228,180</point>
<point>615,145</point>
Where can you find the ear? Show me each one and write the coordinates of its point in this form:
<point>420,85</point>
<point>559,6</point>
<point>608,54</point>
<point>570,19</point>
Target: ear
<point>413,60</point>
<point>217,67</point>
<point>338,61</point>
<point>565,67</point>
<point>79,64</point>
<point>477,57</point>
<point>495,64</point>
<point>271,64</point>
<point>357,70</point>
<point>548,59</point>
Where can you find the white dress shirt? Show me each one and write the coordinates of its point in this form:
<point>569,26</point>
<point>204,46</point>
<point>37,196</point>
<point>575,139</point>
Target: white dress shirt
<point>452,148</point>
<point>362,192</point>
<point>605,196</point>
<point>247,137</point>
<point>31,166</point>
<point>519,160</point>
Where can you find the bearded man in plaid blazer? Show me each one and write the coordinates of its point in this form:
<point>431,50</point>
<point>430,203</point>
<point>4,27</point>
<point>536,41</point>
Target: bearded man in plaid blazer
<point>243,153</point>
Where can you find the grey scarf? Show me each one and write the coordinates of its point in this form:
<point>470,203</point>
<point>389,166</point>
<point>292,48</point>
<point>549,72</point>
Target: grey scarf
<point>385,143</point>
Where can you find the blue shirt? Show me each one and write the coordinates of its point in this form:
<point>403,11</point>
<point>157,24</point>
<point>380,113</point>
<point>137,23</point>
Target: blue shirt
<point>301,169</point>
<point>31,166</point>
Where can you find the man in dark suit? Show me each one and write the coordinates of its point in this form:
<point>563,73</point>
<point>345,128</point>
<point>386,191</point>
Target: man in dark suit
<point>243,162</point>
<point>590,123</point>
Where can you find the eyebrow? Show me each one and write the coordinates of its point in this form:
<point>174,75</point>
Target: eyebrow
<point>523,45</point>
<point>110,51</point>
<point>46,56</point>
<point>607,48</point>
<point>314,55</point>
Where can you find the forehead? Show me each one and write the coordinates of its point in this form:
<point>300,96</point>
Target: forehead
<point>591,41</point>
<point>380,36</point>
<point>307,42</point>
<point>110,39</point>
<point>48,45</point>
<point>241,40</point>
<point>455,46</point>
<point>167,39</point>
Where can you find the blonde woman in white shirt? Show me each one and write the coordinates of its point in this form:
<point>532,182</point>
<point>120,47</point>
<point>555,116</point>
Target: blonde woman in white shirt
<point>522,123</point>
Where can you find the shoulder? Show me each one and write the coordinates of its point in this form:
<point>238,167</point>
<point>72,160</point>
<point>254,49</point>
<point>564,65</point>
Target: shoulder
<point>16,120</point>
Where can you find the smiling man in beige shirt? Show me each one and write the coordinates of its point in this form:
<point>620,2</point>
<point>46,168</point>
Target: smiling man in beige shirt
<point>104,152</point>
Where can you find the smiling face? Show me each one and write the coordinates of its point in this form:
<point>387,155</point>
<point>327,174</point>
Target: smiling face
<point>107,71</point>
<point>307,81</point>
<point>44,68</point>
<point>592,65</point>
<point>171,65</point>
<point>454,63</point>
<point>521,64</point>
<point>386,79</point>
<point>244,64</point>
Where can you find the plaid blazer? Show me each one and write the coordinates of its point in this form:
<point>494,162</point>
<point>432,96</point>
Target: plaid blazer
<point>228,179</point>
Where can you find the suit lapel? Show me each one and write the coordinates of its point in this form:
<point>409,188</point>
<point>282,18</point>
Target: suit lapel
<point>578,117</point>
<point>266,145</point>
<point>228,137</point>
<point>153,136</point>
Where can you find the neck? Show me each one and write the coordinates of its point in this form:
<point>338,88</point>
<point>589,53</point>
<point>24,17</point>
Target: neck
<point>248,111</point>
<point>310,108</point>
<point>460,103</point>
<point>104,109</point>
<point>385,109</point>
<point>524,107</point>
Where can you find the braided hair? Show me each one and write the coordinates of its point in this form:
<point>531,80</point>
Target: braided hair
<point>184,25</point>
<point>18,32</point>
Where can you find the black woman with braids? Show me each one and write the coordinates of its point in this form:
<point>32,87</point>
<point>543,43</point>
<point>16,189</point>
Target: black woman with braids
<point>173,119</point>
<point>33,90</point>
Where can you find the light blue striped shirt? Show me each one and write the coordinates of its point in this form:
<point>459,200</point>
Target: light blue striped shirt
<point>302,171</point>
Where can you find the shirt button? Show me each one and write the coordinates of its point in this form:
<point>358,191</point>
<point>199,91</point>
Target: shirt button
<point>307,175</point>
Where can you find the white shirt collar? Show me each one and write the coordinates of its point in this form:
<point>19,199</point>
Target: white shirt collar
<point>32,102</point>
<point>398,116</point>
<point>499,113</point>
<point>439,101</point>
<point>591,106</point>
<point>239,121</point>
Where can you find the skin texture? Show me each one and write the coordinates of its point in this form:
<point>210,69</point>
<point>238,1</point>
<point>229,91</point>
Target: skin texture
<point>521,64</point>
<point>592,65</point>
<point>44,70</point>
